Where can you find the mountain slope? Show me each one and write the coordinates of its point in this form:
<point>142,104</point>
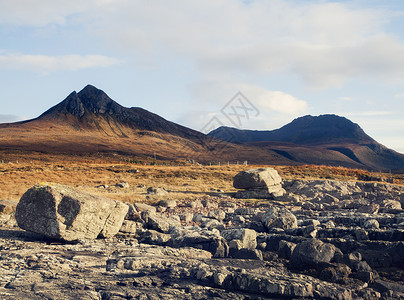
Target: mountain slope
<point>307,130</point>
<point>91,102</point>
<point>91,122</point>
<point>325,139</point>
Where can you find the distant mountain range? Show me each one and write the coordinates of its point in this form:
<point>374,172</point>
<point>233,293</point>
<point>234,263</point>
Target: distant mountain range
<point>307,130</point>
<point>90,122</point>
<point>325,139</point>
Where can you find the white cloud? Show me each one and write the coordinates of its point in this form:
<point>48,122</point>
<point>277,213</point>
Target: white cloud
<point>323,43</point>
<point>399,95</point>
<point>48,64</point>
<point>274,100</point>
<point>345,98</point>
<point>42,12</point>
<point>370,113</point>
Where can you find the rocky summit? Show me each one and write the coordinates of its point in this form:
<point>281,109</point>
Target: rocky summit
<point>319,239</point>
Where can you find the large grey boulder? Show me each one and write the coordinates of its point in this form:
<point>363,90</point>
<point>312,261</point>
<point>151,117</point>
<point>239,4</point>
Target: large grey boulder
<point>61,212</point>
<point>259,183</point>
<point>247,238</point>
<point>257,178</point>
<point>312,253</point>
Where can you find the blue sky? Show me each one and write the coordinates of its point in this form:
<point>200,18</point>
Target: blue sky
<point>184,60</point>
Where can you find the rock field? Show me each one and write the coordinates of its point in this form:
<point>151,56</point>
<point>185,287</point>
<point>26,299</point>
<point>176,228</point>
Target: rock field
<point>318,239</point>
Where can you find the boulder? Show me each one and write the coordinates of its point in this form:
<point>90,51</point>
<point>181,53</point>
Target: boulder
<point>257,178</point>
<point>207,240</point>
<point>122,185</point>
<point>369,209</point>
<point>168,203</point>
<point>61,212</point>
<point>132,214</point>
<point>391,204</point>
<point>130,227</point>
<point>157,191</point>
<point>286,249</point>
<point>217,214</point>
<point>157,222</point>
<point>247,237</point>
<point>277,217</point>
<point>371,224</point>
<point>153,237</point>
<point>247,254</point>
<point>141,207</point>
<point>7,206</point>
<point>311,253</point>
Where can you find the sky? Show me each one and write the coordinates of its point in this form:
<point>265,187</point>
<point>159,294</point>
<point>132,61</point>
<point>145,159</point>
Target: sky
<point>189,61</point>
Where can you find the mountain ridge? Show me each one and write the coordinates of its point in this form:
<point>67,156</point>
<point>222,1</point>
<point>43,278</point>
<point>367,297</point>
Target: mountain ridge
<point>317,139</point>
<point>305,130</point>
<point>91,122</point>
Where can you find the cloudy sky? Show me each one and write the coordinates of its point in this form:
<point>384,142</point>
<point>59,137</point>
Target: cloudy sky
<point>185,60</point>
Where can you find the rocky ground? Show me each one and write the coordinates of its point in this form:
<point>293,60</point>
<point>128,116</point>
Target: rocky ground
<point>317,239</point>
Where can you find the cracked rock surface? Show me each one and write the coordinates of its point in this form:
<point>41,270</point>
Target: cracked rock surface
<point>320,240</point>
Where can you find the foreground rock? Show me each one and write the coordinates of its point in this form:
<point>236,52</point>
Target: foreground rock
<point>61,212</point>
<point>311,253</point>
<point>317,242</point>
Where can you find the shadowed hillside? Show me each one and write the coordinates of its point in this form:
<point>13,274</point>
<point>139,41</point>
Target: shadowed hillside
<point>326,139</point>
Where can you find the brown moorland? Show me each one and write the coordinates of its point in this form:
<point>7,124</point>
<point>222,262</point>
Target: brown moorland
<point>21,170</point>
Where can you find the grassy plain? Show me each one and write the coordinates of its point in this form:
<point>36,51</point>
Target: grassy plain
<point>20,171</point>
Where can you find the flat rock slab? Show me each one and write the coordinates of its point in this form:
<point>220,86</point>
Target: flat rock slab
<point>61,212</point>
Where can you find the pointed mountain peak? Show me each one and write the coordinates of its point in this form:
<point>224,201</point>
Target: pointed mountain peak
<point>90,100</point>
<point>95,100</point>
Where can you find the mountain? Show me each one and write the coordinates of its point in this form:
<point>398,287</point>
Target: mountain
<point>324,139</point>
<point>91,122</point>
<point>307,130</point>
<point>91,102</point>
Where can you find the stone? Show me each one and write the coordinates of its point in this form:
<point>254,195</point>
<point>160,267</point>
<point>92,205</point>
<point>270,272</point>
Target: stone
<point>329,224</point>
<point>257,178</point>
<point>195,204</point>
<point>156,191</point>
<point>276,217</point>
<point>311,253</point>
<point>217,214</point>
<point>335,273</point>
<point>365,276</point>
<point>131,227</point>
<point>158,223</point>
<point>371,224</point>
<point>153,237</point>
<point>247,237</point>
<point>212,224</point>
<point>247,254</point>
<point>168,203</point>
<point>61,212</point>
<point>285,249</point>
<point>391,204</point>
<point>206,240</point>
<point>369,209</point>
<point>122,185</point>
<point>140,207</point>
<point>132,214</point>
<point>8,206</point>
<point>186,217</point>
